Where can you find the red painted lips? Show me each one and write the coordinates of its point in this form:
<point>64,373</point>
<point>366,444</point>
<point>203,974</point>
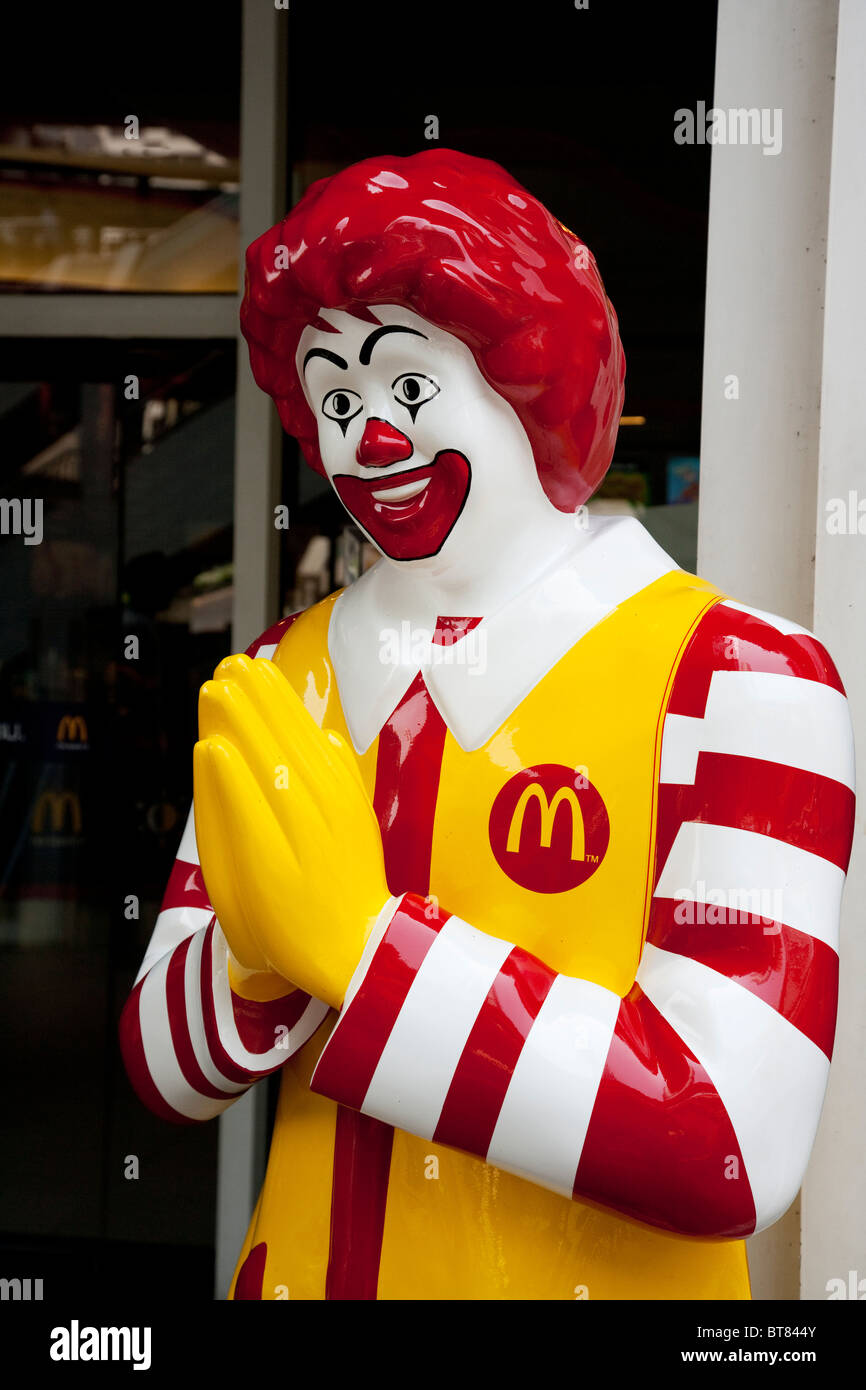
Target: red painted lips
<point>417,521</point>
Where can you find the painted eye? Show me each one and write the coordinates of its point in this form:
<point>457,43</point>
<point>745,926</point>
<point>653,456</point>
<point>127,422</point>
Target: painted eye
<point>412,389</point>
<point>341,406</point>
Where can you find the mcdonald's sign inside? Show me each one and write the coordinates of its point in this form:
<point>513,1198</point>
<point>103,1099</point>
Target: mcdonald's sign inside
<point>72,729</point>
<point>549,828</point>
<point>62,811</point>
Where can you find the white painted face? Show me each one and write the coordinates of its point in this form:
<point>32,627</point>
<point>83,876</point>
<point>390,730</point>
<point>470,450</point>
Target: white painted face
<point>428,459</point>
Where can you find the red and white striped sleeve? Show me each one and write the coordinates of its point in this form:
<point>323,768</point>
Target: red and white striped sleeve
<point>190,1043</point>
<point>693,1102</point>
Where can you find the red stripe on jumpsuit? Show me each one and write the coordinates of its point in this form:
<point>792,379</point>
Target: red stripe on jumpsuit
<point>407,785</point>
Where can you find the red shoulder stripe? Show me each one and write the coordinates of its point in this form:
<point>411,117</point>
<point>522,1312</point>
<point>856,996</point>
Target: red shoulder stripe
<point>729,640</point>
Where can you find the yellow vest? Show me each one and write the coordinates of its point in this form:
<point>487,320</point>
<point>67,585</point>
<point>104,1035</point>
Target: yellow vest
<point>460,1228</point>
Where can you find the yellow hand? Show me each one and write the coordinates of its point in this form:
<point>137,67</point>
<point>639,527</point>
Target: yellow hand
<point>289,844</point>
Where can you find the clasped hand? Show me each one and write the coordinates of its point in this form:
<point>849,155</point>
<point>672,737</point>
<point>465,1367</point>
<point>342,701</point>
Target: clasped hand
<point>288,840</point>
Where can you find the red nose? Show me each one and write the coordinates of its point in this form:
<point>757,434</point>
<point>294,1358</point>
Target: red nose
<point>382,444</point>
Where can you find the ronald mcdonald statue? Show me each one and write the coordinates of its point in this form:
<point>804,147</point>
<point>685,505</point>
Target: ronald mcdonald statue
<point>521,857</point>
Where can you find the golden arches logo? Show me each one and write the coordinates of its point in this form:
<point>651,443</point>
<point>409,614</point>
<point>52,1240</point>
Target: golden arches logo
<point>566,838</point>
<point>72,729</point>
<point>548,807</point>
<point>57,803</point>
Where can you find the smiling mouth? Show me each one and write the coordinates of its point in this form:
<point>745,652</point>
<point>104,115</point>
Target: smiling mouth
<point>396,495</point>
<point>401,492</point>
<point>410,513</point>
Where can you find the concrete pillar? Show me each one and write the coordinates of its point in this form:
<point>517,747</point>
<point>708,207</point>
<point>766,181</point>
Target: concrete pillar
<point>834,1193</point>
<point>763,355</point>
<point>765,302</point>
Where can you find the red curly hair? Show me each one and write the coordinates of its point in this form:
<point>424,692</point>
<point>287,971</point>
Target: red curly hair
<point>460,242</point>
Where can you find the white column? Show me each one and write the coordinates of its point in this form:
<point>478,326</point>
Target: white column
<point>834,1193</point>
<point>763,354</point>
<point>256,552</point>
<point>765,297</point>
<point>258,435</point>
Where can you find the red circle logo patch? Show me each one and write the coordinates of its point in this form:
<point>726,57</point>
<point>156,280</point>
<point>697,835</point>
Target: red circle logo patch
<point>549,828</point>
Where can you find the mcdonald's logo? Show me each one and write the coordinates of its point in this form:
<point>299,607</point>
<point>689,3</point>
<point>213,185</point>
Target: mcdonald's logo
<point>72,729</point>
<point>548,818</point>
<point>53,806</point>
<point>549,829</point>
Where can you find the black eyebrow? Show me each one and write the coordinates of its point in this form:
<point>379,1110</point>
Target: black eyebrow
<point>370,342</point>
<point>328,356</point>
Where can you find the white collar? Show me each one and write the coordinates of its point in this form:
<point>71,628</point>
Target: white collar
<point>378,646</point>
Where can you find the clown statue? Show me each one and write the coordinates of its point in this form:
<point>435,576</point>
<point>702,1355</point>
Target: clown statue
<point>521,856</point>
